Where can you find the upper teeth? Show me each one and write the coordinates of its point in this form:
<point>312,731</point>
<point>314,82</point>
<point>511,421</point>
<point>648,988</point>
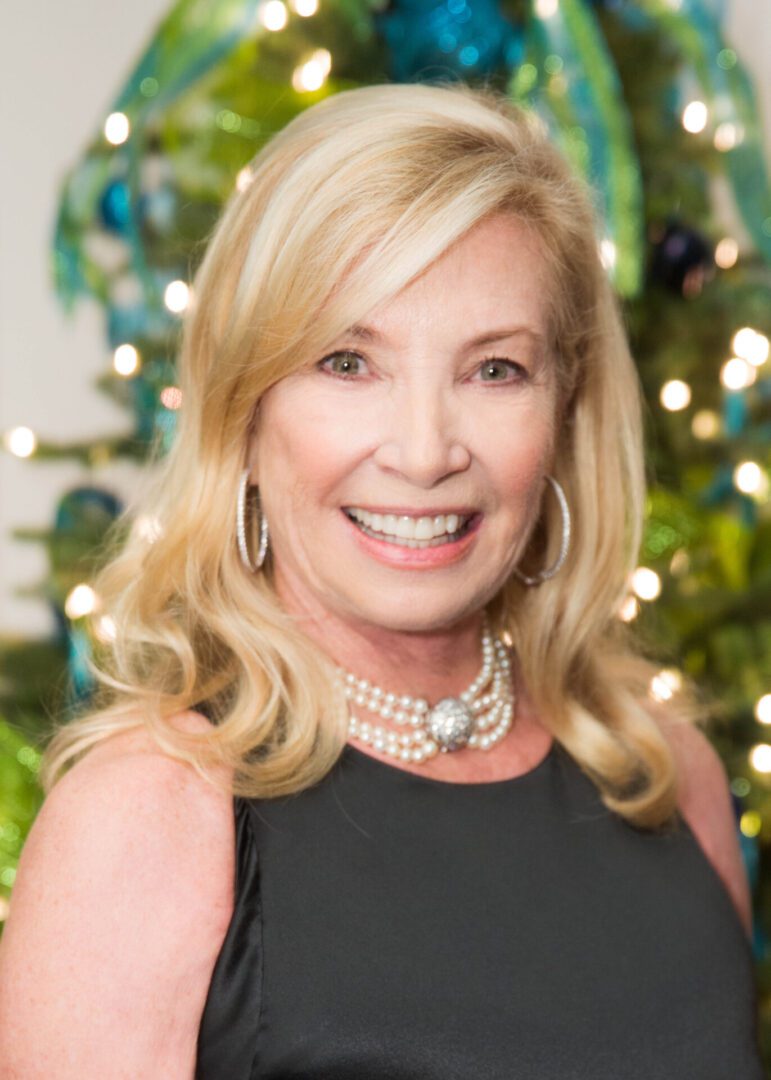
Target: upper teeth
<point>410,528</point>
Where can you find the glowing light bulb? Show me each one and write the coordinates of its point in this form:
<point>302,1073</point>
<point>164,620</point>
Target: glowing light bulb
<point>105,628</point>
<point>177,296</point>
<point>750,478</point>
<point>273,15</point>
<point>736,374</point>
<point>760,758</point>
<point>675,395</point>
<point>705,424</point>
<point>149,528</point>
<point>646,583</point>
<point>629,610</point>
<point>171,397</point>
<point>750,346</point>
<point>20,441</point>
<point>311,75</point>
<point>117,128</point>
<point>244,178</point>
<point>81,600</point>
<point>694,117</point>
<point>665,684</point>
<point>750,823</point>
<point>727,136</point>
<point>608,253</point>
<point>125,360</point>
<point>763,709</point>
<point>726,253</point>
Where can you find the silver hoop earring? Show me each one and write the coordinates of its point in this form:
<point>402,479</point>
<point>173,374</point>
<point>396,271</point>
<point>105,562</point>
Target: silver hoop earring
<point>243,550</point>
<point>552,570</point>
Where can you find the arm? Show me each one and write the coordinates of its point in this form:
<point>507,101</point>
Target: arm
<point>705,802</point>
<point>122,898</point>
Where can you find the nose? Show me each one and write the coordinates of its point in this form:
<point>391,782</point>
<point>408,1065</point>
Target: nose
<point>422,438</point>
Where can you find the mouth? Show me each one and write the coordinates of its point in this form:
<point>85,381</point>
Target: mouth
<point>412,530</point>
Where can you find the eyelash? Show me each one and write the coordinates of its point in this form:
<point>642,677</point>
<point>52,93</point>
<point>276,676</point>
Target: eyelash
<point>522,372</point>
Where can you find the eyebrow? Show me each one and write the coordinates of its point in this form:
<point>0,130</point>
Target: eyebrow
<point>368,333</point>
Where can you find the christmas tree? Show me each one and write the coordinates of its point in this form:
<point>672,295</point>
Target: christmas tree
<point>649,103</point>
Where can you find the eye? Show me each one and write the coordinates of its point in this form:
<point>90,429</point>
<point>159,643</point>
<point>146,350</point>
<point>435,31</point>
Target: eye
<point>496,369</point>
<point>344,363</point>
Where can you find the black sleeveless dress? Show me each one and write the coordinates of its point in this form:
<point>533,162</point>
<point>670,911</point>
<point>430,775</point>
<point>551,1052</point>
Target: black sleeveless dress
<point>390,925</point>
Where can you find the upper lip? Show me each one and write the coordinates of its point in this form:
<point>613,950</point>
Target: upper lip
<point>412,511</point>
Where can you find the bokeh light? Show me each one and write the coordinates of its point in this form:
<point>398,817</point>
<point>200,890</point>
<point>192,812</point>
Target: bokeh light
<point>675,395</point>
<point>125,360</point>
<point>20,441</point>
<point>695,116</point>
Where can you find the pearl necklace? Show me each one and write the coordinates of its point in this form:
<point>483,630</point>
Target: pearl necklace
<point>478,718</point>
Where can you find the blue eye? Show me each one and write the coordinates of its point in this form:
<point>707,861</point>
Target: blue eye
<point>498,369</point>
<point>344,364</point>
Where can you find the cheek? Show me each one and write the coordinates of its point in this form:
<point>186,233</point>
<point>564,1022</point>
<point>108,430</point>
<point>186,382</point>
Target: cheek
<point>300,456</point>
<point>519,461</point>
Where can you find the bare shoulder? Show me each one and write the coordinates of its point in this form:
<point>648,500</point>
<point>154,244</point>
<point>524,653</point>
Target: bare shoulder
<point>122,898</point>
<point>705,802</point>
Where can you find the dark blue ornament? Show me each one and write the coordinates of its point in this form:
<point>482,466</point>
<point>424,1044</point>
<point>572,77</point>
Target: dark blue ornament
<point>681,257</point>
<point>86,508</point>
<point>115,206</point>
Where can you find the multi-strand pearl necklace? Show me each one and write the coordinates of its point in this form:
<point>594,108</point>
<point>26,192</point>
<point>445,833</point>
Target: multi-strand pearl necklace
<point>478,718</point>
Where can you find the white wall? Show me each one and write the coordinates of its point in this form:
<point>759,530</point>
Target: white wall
<point>60,65</point>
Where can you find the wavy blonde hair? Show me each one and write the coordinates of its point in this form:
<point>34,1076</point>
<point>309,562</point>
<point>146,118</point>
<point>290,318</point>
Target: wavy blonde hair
<point>345,206</point>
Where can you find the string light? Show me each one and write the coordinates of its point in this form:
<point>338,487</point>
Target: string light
<point>646,583</point>
<point>750,346</point>
<point>244,178</point>
<point>177,296</point>
<point>629,610</point>
<point>695,117</point>
<point>608,254</point>
<point>148,528</point>
<point>760,758</point>
<point>751,479</point>
<point>763,709</point>
<point>171,397</point>
<point>705,424</point>
<point>20,441</point>
<point>274,15</point>
<point>105,628</point>
<point>81,600</point>
<point>665,684</point>
<point>125,360</point>
<point>736,374</point>
<point>750,823</point>
<point>675,395</point>
<point>116,128</point>
<point>726,253</point>
<point>312,74</point>
<point>545,9</point>
<point>727,136</point>
<point>680,563</point>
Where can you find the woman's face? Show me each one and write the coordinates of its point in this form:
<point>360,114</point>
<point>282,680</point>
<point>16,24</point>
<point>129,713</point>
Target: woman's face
<point>432,424</point>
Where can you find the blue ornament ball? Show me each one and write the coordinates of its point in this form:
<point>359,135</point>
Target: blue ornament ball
<point>115,206</point>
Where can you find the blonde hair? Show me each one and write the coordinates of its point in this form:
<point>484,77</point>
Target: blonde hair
<point>346,205</point>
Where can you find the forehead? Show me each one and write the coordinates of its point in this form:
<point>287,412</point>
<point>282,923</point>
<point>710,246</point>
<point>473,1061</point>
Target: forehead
<point>493,277</point>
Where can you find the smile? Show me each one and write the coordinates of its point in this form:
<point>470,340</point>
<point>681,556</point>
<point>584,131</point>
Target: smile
<point>410,531</point>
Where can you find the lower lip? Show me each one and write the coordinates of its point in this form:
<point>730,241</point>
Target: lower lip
<point>416,558</point>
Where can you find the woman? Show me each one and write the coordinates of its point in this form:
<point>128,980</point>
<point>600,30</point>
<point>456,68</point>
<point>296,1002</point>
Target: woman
<point>374,596</point>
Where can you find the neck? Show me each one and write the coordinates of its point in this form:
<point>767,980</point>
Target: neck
<point>432,663</point>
